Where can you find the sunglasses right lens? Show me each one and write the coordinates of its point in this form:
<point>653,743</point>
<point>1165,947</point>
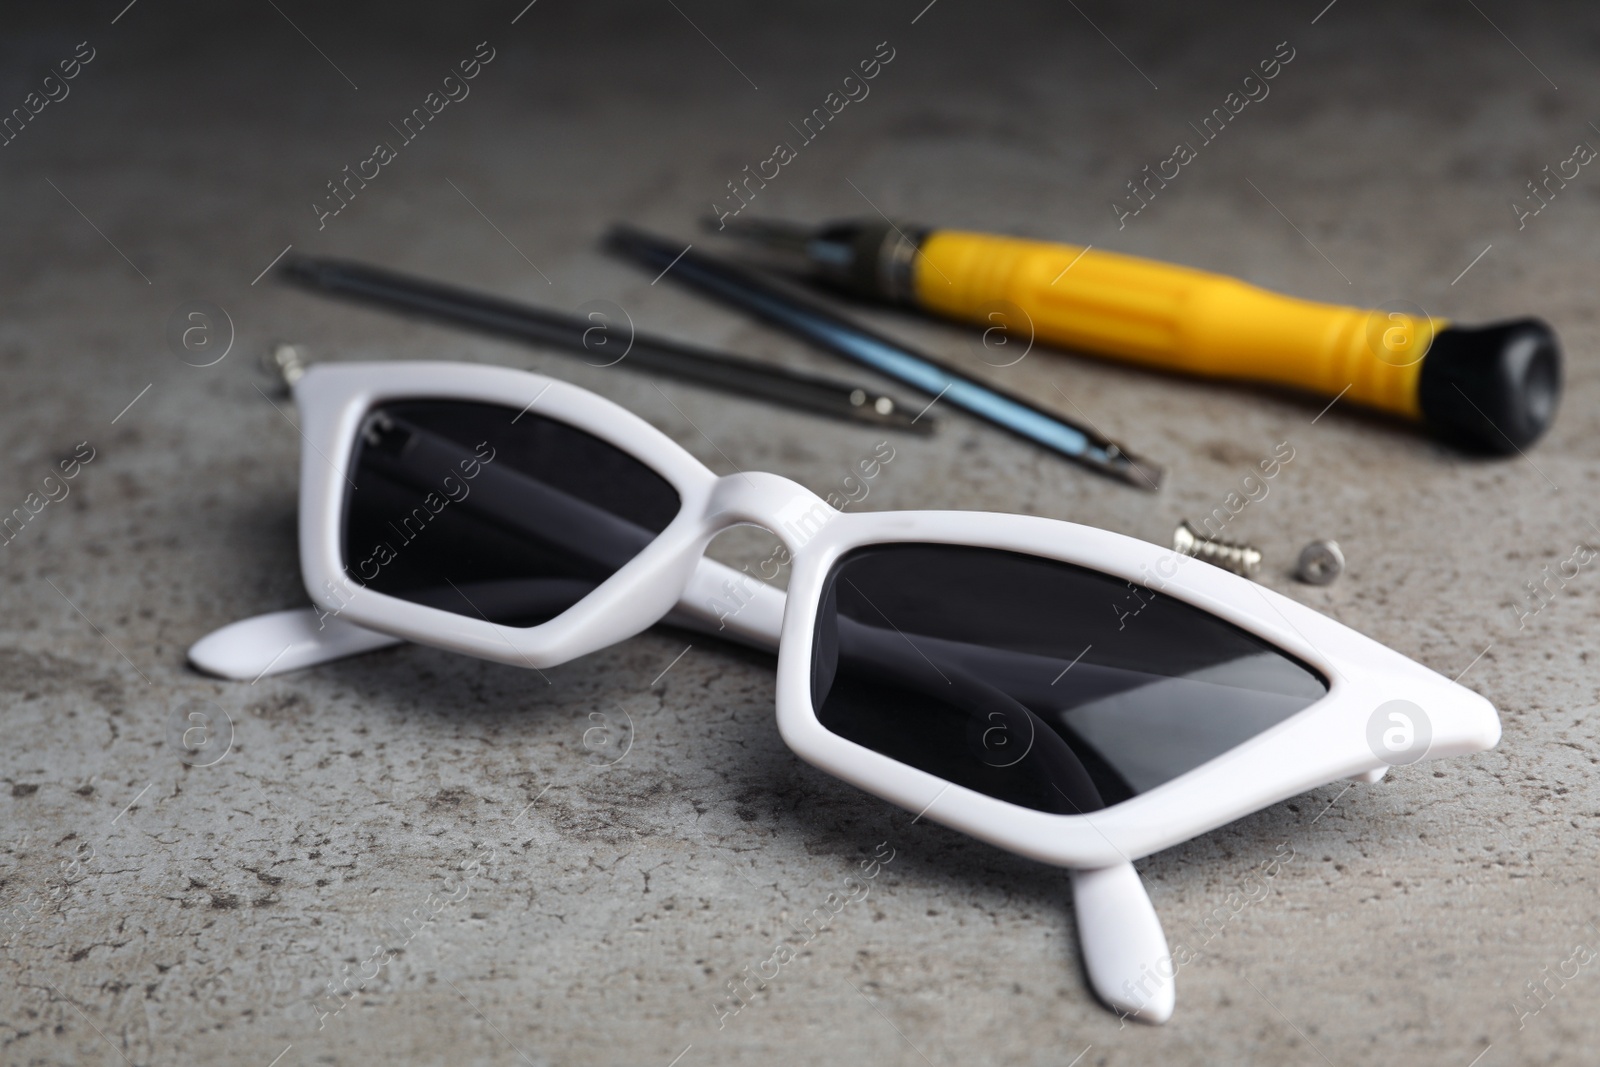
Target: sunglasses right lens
<point>1034,681</point>
<point>491,512</point>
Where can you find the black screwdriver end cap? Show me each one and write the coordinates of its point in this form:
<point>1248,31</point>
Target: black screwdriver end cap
<point>1492,389</point>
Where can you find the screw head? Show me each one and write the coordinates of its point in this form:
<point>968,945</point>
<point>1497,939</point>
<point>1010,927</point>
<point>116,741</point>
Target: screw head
<point>1320,563</point>
<point>284,363</point>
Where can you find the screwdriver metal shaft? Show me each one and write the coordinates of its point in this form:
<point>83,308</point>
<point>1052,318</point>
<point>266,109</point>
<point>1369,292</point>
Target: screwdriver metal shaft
<point>782,306</point>
<point>793,389</point>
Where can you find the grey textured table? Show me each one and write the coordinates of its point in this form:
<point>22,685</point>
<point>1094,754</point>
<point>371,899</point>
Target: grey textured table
<point>565,911</point>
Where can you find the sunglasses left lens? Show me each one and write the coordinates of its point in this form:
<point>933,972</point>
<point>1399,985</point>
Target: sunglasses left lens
<point>492,512</point>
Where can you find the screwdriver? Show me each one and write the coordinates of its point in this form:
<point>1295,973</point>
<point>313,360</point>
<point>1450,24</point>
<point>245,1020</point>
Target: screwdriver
<point>768,298</point>
<point>1491,389</point>
<point>541,326</point>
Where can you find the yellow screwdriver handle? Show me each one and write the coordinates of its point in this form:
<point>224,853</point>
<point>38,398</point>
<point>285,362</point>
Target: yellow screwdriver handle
<point>1176,318</point>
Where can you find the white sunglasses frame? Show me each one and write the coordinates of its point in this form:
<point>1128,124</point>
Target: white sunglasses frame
<point>671,579</point>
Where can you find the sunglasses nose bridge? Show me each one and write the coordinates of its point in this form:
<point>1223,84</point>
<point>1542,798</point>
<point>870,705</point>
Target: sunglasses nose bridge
<point>774,503</point>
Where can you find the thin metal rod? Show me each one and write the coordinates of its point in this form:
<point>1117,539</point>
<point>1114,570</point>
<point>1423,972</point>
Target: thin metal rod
<point>777,385</point>
<point>797,313</point>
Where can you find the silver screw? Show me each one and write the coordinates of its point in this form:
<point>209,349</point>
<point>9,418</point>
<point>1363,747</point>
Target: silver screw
<point>1320,563</point>
<point>286,363</point>
<point>1241,559</point>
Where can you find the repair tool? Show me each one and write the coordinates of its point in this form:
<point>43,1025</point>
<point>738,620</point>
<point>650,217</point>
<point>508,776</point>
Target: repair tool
<point>284,363</point>
<point>1242,559</point>
<point>1320,563</point>
<point>1490,389</point>
<point>803,316</point>
<point>806,392</point>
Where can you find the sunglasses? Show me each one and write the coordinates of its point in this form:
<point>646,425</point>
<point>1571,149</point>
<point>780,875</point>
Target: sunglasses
<point>1065,693</point>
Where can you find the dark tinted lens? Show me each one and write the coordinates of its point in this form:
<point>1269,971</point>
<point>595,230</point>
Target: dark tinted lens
<point>1037,682</point>
<point>493,513</point>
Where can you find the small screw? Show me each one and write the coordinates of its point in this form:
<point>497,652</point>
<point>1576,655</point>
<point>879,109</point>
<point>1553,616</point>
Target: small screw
<point>1243,560</point>
<point>286,363</point>
<point>1320,563</point>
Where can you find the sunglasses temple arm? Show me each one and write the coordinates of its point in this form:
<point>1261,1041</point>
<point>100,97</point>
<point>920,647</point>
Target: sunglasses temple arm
<point>731,604</point>
<point>1124,948</point>
<point>719,600</point>
<point>282,641</point>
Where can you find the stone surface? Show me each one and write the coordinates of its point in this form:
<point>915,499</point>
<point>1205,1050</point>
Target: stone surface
<point>568,912</point>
